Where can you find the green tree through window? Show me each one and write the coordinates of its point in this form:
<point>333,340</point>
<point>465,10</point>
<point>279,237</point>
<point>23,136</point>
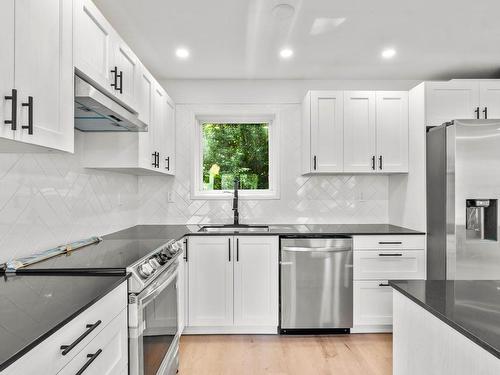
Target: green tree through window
<point>235,151</point>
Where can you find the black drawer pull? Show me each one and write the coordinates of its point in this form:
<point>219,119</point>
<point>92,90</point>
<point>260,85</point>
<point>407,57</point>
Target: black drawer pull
<point>91,358</point>
<point>390,243</point>
<point>186,251</point>
<point>90,327</point>
<point>29,104</point>
<point>167,163</point>
<point>13,120</point>
<point>390,255</point>
<point>382,284</point>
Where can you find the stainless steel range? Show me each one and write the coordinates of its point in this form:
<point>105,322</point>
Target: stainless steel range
<point>153,301</point>
<point>153,313</point>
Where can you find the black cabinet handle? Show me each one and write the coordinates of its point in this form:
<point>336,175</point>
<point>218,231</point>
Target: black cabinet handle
<point>485,111</point>
<point>229,248</point>
<point>390,255</point>
<point>90,327</point>
<point>373,162</point>
<point>237,249</point>
<point>390,243</point>
<point>186,251</point>
<point>119,77</point>
<point>114,71</point>
<point>13,119</point>
<point>154,159</point>
<point>91,358</point>
<point>476,111</point>
<point>167,161</point>
<point>314,162</point>
<point>29,104</point>
<point>382,284</point>
<point>380,162</point>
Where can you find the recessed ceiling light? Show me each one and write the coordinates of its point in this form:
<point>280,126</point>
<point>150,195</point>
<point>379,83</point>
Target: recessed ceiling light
<point>286,53</point>
<point>388,53</point>
<point>182,53</point>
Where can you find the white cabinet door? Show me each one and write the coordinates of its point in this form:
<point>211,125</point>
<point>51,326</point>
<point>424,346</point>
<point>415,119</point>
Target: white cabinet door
<point>210,289</point>
<point>372,303</point>
<point>144,90</point>
<point>327,116</point>
<point>44,73</point>
<point>127,67</point>
<point>157,128</point>
<point>446,101</point>
<point>93,44</point>
<point>392,131</point>
<point>489,94</point>
<point>6,67</point>
<point>169,140</point>
<point>256,281</point>
<point>359,131</point>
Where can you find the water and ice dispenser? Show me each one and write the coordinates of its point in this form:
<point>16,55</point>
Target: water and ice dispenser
<point>481,219</point>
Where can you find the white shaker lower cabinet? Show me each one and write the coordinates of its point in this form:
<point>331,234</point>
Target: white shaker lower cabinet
<point>232,284</point>
<point>210,289</point>
<point>378,259</point>
<point>106,345</point>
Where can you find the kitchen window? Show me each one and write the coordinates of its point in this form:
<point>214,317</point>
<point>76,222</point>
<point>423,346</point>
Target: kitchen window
<point>235,148</point>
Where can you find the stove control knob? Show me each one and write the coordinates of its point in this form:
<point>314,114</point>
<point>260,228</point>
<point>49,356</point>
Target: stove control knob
<point>145,270</point>
<point>153,262</point>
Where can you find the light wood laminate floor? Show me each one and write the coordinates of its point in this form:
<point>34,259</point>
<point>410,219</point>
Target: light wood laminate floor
<point>355,354</point>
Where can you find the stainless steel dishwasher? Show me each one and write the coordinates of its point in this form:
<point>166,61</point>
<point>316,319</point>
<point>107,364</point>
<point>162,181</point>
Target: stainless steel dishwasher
<point>316,285</point>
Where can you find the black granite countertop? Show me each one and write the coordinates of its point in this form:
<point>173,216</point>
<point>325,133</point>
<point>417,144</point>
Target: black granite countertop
<point>176,232</point>
<point>34,307</point>
<point>472,307</point>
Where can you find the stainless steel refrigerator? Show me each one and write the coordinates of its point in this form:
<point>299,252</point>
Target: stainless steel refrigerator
<point>463,189</point>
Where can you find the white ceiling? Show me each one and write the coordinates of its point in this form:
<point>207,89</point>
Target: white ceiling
<point>434,39</point>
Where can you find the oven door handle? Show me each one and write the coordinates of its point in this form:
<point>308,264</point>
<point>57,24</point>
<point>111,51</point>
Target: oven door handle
<point>149,295</point>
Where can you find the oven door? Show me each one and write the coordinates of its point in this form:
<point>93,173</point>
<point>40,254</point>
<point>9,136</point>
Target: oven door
<point>153,327</point>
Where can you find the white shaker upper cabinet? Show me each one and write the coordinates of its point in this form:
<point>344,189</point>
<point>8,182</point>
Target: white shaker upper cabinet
<point>392,131</point>
<point>359,131</point>
<point>44,73</point>
<point>169,147</point>
<point>489,94</point>
<point>93,44</point>
<point>126,69</point>
<point>7,130</point>
<point>327,116</point>
<point>456,99</point>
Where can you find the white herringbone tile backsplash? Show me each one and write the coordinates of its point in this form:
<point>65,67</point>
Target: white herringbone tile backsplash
<point>303,199</point>
<point>46,199</point>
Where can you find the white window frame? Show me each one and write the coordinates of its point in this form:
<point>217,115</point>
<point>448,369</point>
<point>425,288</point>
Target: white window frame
<point>272,120</point>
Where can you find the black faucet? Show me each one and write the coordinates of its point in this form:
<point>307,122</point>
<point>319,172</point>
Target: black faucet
<point>235,202</point>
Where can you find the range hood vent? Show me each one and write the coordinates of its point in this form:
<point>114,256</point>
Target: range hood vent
<point>96,112</point>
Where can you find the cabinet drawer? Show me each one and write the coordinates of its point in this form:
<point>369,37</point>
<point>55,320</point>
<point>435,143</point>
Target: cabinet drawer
<point>106,354</point>
<point>389,264</point>
<point>389,242</point>
<point>372,303</point>
<point>47,357</point>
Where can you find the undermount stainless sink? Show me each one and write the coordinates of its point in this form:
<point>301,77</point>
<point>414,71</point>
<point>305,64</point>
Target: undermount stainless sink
<point>234,228</point>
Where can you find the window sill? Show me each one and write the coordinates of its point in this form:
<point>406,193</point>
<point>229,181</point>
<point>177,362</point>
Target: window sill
<point>228,194</point>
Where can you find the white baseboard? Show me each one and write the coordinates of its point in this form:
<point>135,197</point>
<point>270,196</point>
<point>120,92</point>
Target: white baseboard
<point>372,329</point>
<point>265,330</point>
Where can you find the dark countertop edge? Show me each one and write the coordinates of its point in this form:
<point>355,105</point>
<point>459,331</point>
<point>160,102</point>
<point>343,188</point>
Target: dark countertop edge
<point>303,234</point>
<point>5,364</point>
<point>457,327</point>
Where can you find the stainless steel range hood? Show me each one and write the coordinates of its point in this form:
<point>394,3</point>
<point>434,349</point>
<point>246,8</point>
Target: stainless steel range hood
<point>96,112</point>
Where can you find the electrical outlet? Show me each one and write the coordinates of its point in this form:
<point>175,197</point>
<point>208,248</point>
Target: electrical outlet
<point>170,197</point>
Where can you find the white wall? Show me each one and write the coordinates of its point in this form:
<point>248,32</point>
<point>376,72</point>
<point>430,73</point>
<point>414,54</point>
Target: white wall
<point>313,199</point>
<point>46,199</point>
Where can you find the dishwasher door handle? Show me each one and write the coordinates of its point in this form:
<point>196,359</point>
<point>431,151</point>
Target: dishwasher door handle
<point>316,249</point>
